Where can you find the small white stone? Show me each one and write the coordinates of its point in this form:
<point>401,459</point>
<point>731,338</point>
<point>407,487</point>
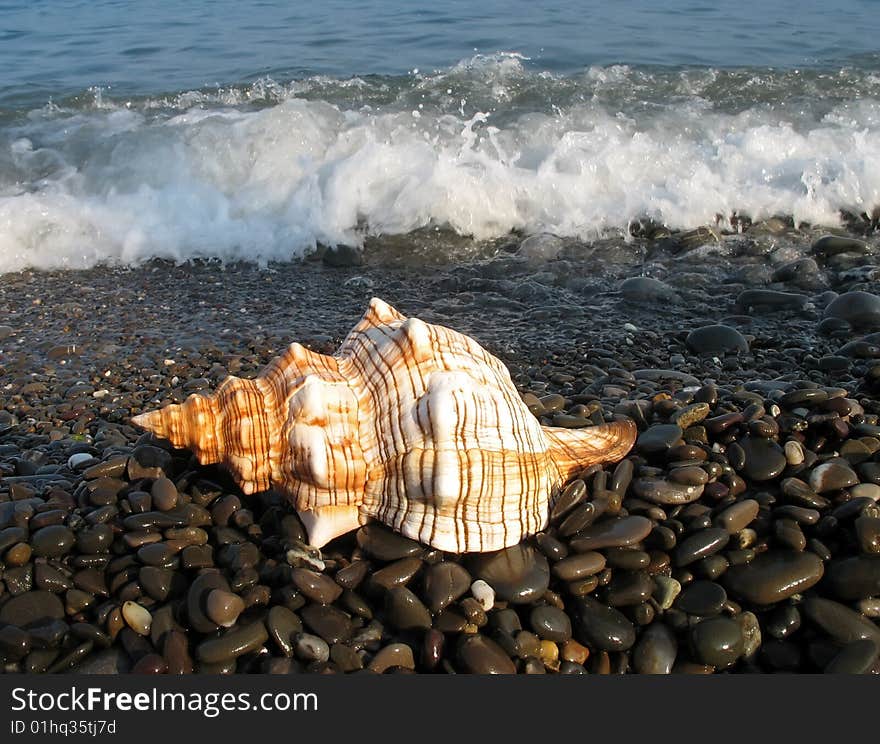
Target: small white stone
<point>74,461</point>
<point>794,452</point>
<point>484,594</point>
<point>138,618</point>
<point>865,490</point>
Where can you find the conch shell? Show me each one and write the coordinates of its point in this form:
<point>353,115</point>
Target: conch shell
<point>413,424</point>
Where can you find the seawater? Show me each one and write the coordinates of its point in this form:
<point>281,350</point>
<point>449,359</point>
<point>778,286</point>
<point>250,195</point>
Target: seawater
<point>257,131</point>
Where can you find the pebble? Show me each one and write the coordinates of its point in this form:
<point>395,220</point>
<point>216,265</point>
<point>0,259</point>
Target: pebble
<point>655,651</point>
<point>859,309</point>
<point>764,458</point>
<point>137,617</point>
<point>737,516</point>
<point>550,623</point>
<point>647,289</point>
<point>310,648</point>
<point>663,491</point>
<point>717,641</point>
<point>480,655</point>
<point>444,583</point>
<point>223,608</point>
<point>701,544</point>
<point>240,640</point>
<point>658,439</point>
<point>53,541</point>
<point>405,610</point>
<point>327,621</point>
<point>716,339</point>
<point>831,476</point>
<point>854,577</point>
<point>614,532</point>
<point>857,657</point>
<point>579,566</point>
<point>600,627</point>
<point>839,621</point>
<point>316,586</point>
<point>380,542</point>
<point>774,576</point>
<point>701,598</point>
<point>484,594</point>
<point>31,608</point>
<point>392,655</point>
<point>519,574</point>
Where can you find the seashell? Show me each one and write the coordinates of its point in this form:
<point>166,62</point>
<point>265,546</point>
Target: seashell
<point>410,423</point>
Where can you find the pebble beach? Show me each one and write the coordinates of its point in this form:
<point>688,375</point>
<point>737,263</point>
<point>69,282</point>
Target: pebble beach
<point>740,535</point>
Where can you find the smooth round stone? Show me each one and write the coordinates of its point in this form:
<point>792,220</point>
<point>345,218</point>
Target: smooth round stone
<point>405,610</point>
<point>764,458</point>
<point>51,579</point>
<point>18,555</point>
<point>666,589</point>
<point>656,650</point>
<point>310,648</point>
<point>702,598</point>
<point>831,476</point>
<point>157,582</point>
<point>96,539</point>
<point>794,452</point>
<point>716,339</point>
<point>382,543</point>
<point>690,415</point>
<point>137,617</point>
<point>601,627</point>
<point>550,623</point>
<point>663,491</point>
<point>839,621</point>
<point>750,629</point>
<point>196,599</point>
<point>612,533</point>
<point>857,657</point>
<point>628,588</point>
<point>392,655</point>
<point>571,496</point>
<point>223,607</point>
<point>737,516</point>
<point>700,544</point>
<point>164,494</point>
<point>647,289</point>
<point>330,623</point>
<point>865,491</point>
<point>552,547</point>
<point>444,583</point>
<point>774,576</point>
<point>15,643</point>
<point>484,594</point>
<point>398,573</point>
<point>628,559</point>
<point>855,577</point>
<point>717,641</point>
<point>283,625</point>
<point>32,608</point>
<point>830,245</point>
<point>579,566</point>
<point>783,621</point>
<point>480,655</point>
<point>868,534</point>
<point>352,575</point>
<point>53,541</point>
<point>108,661</point>
<point>519,574</point>
<point>316,586</point>
<point>231,645</point>
<point>156,554</point>
<point>859,309</point>
<point>689,475</point>
<point>658,439</point>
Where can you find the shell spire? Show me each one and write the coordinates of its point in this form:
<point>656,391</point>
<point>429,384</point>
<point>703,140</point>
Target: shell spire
<point>410,423</point>
<point>573,450</point>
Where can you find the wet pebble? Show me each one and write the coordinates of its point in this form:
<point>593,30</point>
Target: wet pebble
<point>519,574</point>
<point>774,576</point>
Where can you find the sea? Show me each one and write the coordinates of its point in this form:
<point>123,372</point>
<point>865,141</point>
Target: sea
<point>259,131</point>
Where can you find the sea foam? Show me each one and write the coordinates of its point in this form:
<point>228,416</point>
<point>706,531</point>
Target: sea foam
<point>269,172</point>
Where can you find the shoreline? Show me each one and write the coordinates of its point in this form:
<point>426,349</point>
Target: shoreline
<point>80,352</point>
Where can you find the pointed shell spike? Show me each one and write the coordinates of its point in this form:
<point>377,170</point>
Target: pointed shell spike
<point>410,423</point>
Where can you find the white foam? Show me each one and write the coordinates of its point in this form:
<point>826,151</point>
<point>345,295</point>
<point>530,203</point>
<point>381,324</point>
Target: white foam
<point>120,184</point>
